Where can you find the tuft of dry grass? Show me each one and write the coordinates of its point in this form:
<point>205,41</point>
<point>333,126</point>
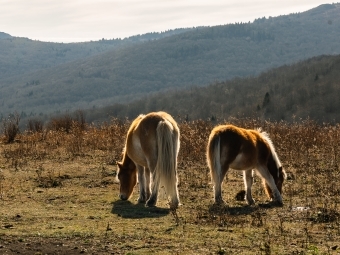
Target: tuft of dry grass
<point>60,184</point>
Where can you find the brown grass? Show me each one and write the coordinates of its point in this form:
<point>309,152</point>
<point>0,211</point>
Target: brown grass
<point>58,187</point>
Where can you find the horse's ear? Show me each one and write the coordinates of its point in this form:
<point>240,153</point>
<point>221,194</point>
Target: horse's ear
<point>119,164</point>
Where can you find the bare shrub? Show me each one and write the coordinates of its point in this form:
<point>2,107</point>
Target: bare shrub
<point>80,119</point>
<point>108,137</point>
<point>75,139</point>
<point>50,180</point>
<point>61,123</point>
<point>10,127</point>
<point>66,122</point>
<point>35,125</point>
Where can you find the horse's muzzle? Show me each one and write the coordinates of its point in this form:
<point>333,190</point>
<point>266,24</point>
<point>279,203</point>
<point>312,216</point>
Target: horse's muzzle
<point>122,197</point>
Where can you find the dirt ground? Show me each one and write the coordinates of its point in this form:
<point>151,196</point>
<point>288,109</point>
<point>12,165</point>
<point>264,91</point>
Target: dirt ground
<point>53,246</point>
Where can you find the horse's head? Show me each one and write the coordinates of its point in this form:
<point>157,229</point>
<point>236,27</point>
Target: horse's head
<point>127,176</point>
<point>279,175</point>
<point>280,178</point>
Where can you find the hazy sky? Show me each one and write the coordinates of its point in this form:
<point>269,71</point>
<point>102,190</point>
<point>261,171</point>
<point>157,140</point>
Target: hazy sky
<point>85,20</point>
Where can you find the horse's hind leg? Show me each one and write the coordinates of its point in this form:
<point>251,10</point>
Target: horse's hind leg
<point>147,182</point>
<point>217,176</point>
<point>144,184</point>
<point>217,189</point>
<point>154,192</point>
<point>174,203</point>
<point>154,185</point>
<point>248,182</point>
<point>173,192</point>
<point>264,173</point>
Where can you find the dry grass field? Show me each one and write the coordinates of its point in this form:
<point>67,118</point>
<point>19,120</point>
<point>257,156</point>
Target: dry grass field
<point>58,195</point>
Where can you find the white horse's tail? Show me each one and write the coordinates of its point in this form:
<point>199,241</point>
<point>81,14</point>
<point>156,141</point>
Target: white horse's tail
<point>166,167</point>
<point>214,160</point>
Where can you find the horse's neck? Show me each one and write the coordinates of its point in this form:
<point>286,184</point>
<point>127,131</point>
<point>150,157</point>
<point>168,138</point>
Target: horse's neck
<point>127,161</point>
<point>272,167</point>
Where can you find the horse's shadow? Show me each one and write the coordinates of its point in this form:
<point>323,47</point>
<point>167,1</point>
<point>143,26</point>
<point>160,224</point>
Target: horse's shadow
<point>126,209</point>
<point>231,210</point>
<point>239,210</point>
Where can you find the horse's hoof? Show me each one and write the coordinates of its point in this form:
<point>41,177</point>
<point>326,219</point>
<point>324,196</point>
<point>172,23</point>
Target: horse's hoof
<point>276,203</point>
<point>219,203</point>
<point>141,200</point>
<point>250,202</point>
<point>271,204</point>
<point>151,203</point>
<point>173,207</point>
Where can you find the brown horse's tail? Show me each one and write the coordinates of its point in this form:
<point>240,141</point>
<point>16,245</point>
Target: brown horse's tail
<point>213,159</point>
<point>166,167</point>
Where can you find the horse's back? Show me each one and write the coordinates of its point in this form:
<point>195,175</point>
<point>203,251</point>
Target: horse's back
<point>147,125</point>
<point>239,147</point>
<point>142,136</point>
<point>235,137</point>
<point>162,116</point>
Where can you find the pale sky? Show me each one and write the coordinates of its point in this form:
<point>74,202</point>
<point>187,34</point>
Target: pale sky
<point>86,20</point>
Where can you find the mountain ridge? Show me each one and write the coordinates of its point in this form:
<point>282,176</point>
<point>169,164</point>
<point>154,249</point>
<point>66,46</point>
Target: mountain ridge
<point>305,91</point>
<point>199,56</point>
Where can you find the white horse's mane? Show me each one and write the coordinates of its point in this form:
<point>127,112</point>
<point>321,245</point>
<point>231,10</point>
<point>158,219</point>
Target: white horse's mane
<point>271,146</point>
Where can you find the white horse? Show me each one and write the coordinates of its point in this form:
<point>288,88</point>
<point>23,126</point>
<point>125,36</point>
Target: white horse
<point>151,150</point>
<point>244,149</point>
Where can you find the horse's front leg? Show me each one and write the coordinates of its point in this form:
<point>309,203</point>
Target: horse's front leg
<point>143,188</point>
<point>276,197</point>
<point>248,182</point>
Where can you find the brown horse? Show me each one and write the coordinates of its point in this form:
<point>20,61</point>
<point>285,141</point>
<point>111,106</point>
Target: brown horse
<point>151,150</point>
<point>244,149</point>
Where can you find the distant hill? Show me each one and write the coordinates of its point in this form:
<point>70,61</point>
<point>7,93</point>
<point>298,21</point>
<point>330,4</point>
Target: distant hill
<point>20,56</point>
<point>4,35</point>
<point>42,78</point>
<point>306,90</point>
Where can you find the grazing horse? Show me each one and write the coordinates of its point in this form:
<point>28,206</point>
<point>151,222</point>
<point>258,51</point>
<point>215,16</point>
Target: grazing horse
<point>150,152</point>
<point>244,149</point>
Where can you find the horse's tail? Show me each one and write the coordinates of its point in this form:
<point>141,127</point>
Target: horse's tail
<point>166,167</point>
<point>214,159</point>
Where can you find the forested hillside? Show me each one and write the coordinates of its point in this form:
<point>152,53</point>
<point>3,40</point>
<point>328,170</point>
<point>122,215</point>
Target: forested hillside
<point>198,57</point>
<point>308,89</point>
<point>22,56</point>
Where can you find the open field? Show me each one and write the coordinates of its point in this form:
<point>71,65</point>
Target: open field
<point>58,195</point>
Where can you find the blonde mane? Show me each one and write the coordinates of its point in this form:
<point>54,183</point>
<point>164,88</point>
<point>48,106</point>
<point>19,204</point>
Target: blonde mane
<point>266,137</point>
